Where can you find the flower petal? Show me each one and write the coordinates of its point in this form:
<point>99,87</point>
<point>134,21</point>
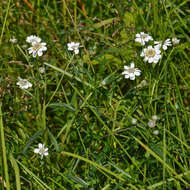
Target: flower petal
<point>36,150</point>
<point>132,65</point>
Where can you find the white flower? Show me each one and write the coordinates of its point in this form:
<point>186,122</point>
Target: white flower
<point>142,84</point>
<point>150,54</point>
<point>151,123</point>
<point>134,121</point>
<point>164,45</point>
<point>33,38</point>
<point>155,132</point>
<point>37,48</point>
<point>24,46</point>
<point>175,41</point>
<point>131,72</point>
<point>13,40</point>
<point>73,47</point>
<point>142,38</point>
<point>41,150</point>
<point>158,44</point>
<point>176,106</point>
<point>41,70</point>
<point>23,83</point>
<point>154,117</point>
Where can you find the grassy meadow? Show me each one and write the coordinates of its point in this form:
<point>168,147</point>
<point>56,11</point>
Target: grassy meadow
<point>82,116</point>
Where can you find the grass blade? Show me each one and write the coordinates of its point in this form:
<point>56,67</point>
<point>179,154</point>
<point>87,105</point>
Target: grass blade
<point>4,151</point>
<point>17,171</point>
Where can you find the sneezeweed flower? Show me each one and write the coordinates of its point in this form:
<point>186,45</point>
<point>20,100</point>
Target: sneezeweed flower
<point>37,48</point>
<point>73,47</point>
<point>41,150</point>
<point>13,40</point>
<point>142,38</point>
<point>33,38</point>
<point>130,72</point>
<point>133,121</point>
<point>151,123</point>
<point>164,46</point>
<point>150,54</point>
<point>23,83</point>
<point>175,41</point>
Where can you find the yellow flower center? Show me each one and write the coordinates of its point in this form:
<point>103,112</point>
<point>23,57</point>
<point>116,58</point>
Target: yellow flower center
<point>42,150</point>
<point>131,70</point>
<point>143,36</point>
<point>23,82</point>
<point>37,46</point>
<point>150,53</point>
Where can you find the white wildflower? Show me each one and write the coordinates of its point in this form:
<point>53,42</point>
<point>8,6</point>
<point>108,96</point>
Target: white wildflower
<point>155,132</point>
<point>24,46</point>
<point>164,46</point>
<point>131,72</point>
<point>176,106</point>
<point>23,83</point>
<point>73,47</point>
<point>13,40</point>
<point>155,117</point>
<point>142,84</point>
<point>175,41</point>
<point>41,150</point>
<point>37,48</point>
<point>151,123</point>
<point>133,121</point>
<point>41,70</point>
<point>150,54</point>
<point>33,38</point>
<point>142,38</point>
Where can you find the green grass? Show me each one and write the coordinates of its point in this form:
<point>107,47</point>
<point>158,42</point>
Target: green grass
<point>81,107</point>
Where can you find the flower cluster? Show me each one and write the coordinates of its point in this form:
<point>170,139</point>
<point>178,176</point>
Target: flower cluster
<point>37,46</point>
<point>73,47</point>
<point>23,83</point>
<point>151,53</point>
<point>152,124</point>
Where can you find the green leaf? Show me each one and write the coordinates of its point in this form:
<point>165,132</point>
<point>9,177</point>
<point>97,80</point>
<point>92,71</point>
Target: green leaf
<point>105,22</point>
<point>32,139</point>
<point>129,19</point>
<point>62,105</point>
<point>78,180</point>
<point>53,140</point>
<point>17,171</point>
